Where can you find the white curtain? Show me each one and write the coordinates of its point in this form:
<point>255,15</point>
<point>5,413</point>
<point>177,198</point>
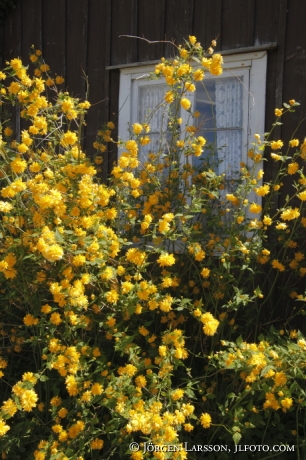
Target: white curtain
<point>152,110</point>
<point>229,125</point>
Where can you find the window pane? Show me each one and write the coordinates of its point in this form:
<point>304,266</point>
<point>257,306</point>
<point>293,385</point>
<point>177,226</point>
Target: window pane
<point>228,103</point>
<point>150,107</point>
<point>220,103</point>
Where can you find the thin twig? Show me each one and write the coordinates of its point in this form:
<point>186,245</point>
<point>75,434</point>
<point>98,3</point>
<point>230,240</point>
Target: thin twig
<point>149,41</point>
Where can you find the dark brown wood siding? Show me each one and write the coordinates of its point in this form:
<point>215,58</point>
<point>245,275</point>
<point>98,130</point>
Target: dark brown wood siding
<point>83,37</point>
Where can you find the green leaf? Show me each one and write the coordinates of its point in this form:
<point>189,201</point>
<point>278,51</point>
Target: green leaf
<point>236,437</point>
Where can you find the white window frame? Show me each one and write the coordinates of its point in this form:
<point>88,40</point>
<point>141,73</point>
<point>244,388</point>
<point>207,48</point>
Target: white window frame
<point>251,65</point>
<point>254,64</point>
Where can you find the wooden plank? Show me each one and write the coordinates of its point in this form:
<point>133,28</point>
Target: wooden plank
<point>11,44</point>
<point>114,80</point>
<point>97,58</point>
<point>151,25</point>
<point>266,16</point>
<point>295,67</point>
<point>237,23</point>
<point>275,85</point>
<point>294,77</point>
<point>31,27</point>
<point>124,22</point>
<point>76,46</point>
<point>12,33</point>
<point>54,35</point>
<point>207,22</point>
<point>178,23</point>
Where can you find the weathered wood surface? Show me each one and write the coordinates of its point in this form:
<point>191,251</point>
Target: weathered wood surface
<point>83,37</point>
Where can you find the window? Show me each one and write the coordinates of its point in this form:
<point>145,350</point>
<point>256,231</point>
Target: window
<point>232,106</point>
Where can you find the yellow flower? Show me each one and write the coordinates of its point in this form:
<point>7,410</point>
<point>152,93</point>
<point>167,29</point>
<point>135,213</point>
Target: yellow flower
<point>267,220</point>
<point>276,145</point>
<point>112,296</point>
<point>137,128</point>
<point>278,112</point>
<point>234,200</point>
<point>192,39</point>
<point>28,400</point>
<point>79,260</point>
<point>190,87</point>
<point>22,148</point>
<point>188,427</point>
<point>129,370</point>
<point>97,444</point>
<point>293,334</point>
<point>9,407</point>
<point>177,394</point>
<point>143,331</point>
<point>198,75</point>
<point>59,80</point>
<point>216,65</point>
<point>205,420</point>
<point>263,190</point>
<point>280,379</point>
<point>140,381</point>
<point>111,322</point>
<point>302,195</point>
<point>286,403</point>
<point>210,324</point>
<point>185,103</point>
<point>8,132</point>
<point>169,97</point>
<point>166,260</point>
<point>205,272</point>
<point>162,350</point>
<point>5,207</point>
<point>183,53</point>
<point>292,168</point>
<point>135,256</point>
<point>276,264</point>
<point>294,143</point>
<point>69,138</point>
<point>29,320</point>
<point>75,429</point>
<point>52,253</point>
<point>55,318</point>
<point>44,67</point>
<point>29,377</point>
<point>96,389</point>
<point>290,214</point>
<point>3,428</point>
<point>255,208</point>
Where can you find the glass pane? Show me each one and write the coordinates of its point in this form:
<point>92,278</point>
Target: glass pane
<point>206,104</point>
<point>228,103</point>
<point>220,102</point>
<point>157,143</point>
<point>229,153</point>
<point>151,108</point>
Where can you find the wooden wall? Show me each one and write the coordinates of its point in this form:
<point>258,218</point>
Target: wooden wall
<point>80,37</point>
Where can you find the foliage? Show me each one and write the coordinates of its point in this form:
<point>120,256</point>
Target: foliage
<point>161,308</point>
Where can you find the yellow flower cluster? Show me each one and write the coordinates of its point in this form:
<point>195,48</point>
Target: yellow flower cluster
<point>124,292</point>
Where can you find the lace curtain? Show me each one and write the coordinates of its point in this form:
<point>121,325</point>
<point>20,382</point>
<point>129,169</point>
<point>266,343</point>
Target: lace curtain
<point>229,116</point>
<point>224,95</point>
<point>151,111</point>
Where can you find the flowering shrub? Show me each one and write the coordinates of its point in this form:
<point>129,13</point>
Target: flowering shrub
<point>155,309</point>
